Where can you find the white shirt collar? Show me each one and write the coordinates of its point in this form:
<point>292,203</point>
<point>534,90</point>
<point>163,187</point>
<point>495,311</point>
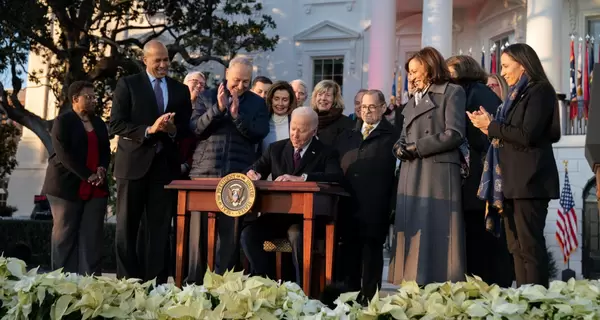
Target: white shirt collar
<point>304,149</point>
<point>362,130</point>
<point>152,78</point>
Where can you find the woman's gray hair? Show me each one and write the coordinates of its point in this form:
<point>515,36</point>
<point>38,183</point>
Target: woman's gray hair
<point>309,113</point>
<point>194,74</point>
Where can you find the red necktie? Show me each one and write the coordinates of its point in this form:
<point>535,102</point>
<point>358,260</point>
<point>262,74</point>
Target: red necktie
<point>297,158</point>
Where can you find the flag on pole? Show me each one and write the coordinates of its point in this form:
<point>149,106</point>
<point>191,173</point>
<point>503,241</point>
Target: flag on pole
<point>483,59</point>
<point>394,86</point>
<point>405,90</point>
<point>580,79</point>
<point>586,80</point>
<point>566,225</point>
<point>493,63</point>
<point>592,59</point>
<point>573,104</point>
<point>590,73</point>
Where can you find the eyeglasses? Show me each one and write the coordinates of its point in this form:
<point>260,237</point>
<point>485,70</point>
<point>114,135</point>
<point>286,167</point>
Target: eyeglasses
<point>493,85</point>
<point>371,107</point>
<point>89,96</point>
<point>196,82</point>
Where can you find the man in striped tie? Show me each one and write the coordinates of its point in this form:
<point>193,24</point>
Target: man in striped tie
<point>364,219</point>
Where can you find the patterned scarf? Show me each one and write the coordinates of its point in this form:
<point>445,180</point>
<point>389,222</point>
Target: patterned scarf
<point>490,187</point>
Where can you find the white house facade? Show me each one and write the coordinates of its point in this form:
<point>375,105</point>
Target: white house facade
<point>362,43</point>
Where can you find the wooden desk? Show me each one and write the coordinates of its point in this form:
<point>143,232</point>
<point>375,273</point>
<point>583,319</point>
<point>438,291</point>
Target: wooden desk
<point>310,199</point>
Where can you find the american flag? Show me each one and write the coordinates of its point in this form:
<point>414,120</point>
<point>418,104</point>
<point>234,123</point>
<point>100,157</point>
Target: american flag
<point>566,225</point>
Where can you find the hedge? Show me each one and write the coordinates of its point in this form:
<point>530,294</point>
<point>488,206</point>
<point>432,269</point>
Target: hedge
<point>35,235</point>
<point>55,295</point>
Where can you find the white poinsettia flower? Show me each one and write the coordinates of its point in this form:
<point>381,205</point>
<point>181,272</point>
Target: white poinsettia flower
<point>237,296</point>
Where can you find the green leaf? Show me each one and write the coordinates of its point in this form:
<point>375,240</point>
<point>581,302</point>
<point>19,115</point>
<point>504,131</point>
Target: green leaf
<point>61,306</point>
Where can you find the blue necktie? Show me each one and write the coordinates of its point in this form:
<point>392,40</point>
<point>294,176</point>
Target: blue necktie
<point>158,93</point>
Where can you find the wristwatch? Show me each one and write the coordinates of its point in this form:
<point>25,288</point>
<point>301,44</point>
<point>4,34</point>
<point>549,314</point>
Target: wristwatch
<point>304,176</point>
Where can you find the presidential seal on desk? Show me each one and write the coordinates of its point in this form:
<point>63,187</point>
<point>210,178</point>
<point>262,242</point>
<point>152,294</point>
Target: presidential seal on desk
<point>235,194</point>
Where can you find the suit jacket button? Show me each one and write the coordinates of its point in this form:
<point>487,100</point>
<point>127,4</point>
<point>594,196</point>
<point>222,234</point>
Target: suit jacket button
<point>428,117</point>
<point>426,131</point>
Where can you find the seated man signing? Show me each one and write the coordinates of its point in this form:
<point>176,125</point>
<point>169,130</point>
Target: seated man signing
<point>302,157</point>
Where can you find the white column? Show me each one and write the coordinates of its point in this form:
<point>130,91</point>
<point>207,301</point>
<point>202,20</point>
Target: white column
<point>437,26</point>
<point>382,46</point>
<point>544,36</point>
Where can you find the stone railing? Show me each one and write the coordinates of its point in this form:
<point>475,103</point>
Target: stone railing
<point>573,116</point>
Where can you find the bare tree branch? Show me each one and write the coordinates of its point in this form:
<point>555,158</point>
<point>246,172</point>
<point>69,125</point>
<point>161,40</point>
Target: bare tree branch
<point>17,112</point>
<point>42,41</point>
<point>86,14</point>
<point>108,67</point>
<point>149,27</point>
<point>174,49</point>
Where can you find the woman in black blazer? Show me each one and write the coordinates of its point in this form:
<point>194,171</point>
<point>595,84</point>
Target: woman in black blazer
<point>76,185</point>
<point>520,175</point>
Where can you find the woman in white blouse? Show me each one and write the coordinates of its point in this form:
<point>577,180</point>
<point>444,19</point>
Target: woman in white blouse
<point>281,101</point>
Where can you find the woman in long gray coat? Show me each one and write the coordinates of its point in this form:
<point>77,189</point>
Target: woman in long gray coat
<point>429,226</point>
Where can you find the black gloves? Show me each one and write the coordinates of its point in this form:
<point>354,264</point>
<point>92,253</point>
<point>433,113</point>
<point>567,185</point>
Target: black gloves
<point>405,151</point>
<point>411,148</point>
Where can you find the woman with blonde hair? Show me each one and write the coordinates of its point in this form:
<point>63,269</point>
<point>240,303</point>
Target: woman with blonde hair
<point>327,102</point>
<point>497,83</point>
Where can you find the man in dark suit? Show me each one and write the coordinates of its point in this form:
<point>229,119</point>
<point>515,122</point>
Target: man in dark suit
<point>149,112</point>
<point>228,123</point>
<point>364,221</point>
<point>302,157</point>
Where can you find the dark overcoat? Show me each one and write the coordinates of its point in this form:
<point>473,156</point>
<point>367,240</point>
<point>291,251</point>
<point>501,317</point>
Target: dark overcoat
<point>429,225</point>
<point>369,167</point>
<point>478,94</point>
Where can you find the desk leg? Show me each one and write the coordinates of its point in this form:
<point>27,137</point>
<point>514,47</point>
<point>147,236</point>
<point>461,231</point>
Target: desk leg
<point>329,251</point>
<point>212,240</point>
<point>308,237</point>
<point>183,220</point>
